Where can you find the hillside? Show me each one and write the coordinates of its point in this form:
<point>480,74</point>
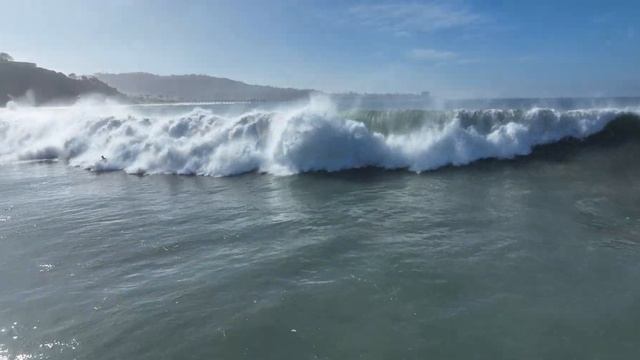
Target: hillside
<point>46,86</point>
<point>196,88</point>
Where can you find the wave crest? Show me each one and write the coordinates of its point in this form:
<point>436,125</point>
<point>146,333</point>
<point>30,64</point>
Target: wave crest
<point>280,142</point>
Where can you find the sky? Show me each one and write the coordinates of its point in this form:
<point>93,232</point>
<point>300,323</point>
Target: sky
<point>455,49</point>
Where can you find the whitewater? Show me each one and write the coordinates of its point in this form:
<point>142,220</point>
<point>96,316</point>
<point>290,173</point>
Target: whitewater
<point>291,139</point>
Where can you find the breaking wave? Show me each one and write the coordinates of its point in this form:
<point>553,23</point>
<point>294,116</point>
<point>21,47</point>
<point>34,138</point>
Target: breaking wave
<point>310,137</point>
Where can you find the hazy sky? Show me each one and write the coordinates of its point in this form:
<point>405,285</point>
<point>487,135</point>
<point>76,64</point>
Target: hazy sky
<point>453,48</point>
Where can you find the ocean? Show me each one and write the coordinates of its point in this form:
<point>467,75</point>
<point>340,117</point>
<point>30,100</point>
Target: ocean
<point>310,231</point>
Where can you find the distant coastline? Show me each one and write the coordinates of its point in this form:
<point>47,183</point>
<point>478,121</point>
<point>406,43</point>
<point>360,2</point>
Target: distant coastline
<point>25,82</point>
<point>146,87</point>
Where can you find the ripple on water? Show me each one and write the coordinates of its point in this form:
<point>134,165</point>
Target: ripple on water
<point>17,340</point>
<point>616,229</point>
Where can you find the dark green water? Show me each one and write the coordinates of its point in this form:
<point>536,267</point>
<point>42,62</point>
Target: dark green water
<point>537,258</point>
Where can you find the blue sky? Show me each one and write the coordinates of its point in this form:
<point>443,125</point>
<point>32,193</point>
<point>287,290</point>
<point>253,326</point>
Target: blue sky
<point>453,48</point>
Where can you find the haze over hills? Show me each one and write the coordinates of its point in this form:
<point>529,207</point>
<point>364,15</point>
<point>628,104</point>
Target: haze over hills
<point>196,88</point>
<point>44,86</point>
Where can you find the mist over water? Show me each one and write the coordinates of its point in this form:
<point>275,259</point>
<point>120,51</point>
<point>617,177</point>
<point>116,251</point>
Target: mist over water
<point>529,250</point>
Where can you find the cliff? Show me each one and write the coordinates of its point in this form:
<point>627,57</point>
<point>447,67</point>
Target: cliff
<point>46,86</point>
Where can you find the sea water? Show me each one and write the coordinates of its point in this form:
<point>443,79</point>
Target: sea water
<point>306,232</point>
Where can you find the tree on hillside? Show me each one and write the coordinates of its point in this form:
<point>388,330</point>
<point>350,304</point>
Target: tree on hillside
<point>4,57</point>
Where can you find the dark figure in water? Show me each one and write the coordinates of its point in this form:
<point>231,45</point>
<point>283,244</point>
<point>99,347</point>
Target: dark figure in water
<point>103,158</point>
